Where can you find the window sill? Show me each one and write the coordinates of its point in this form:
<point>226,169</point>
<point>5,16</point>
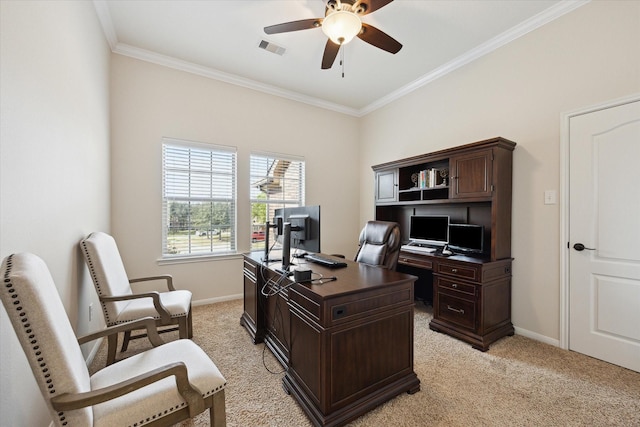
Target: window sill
<point>197,258</point>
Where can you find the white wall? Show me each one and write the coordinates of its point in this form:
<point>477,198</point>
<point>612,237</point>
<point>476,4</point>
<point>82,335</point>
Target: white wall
<point>518,92</point>
<point>150,102</point>
<point>54,165</point>
<point>55,161</point>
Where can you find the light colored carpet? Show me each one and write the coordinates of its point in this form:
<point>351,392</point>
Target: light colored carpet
<point>518,382</point>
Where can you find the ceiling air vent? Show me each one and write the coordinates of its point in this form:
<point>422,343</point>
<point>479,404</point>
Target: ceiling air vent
<point>273,48</point>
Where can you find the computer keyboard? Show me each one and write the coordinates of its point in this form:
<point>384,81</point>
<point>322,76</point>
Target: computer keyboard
<point>326,261</point>
<point>418,249</point>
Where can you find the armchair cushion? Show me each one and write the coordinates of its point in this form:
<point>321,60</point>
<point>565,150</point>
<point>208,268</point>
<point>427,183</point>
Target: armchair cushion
<point>161,397</point>
<point>177,303</point>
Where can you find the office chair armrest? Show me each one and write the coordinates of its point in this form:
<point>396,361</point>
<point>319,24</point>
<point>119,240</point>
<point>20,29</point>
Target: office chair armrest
<point>167,277</point>
<point>154,295</point>
<point>193,396</point>
<point>148,323</point>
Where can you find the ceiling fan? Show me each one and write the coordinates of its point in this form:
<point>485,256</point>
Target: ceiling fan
<point>341,23</point>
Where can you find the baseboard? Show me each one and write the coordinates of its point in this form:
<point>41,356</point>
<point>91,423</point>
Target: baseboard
<point>94,351</point>
<point>217,299</point>
<point>535,336</point>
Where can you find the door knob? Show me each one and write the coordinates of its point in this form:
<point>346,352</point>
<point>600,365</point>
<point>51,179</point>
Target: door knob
<point>580,247</point>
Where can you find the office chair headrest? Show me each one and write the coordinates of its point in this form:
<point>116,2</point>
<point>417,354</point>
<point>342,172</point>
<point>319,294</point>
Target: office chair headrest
<point>380,233</point>
<point>379,244</point>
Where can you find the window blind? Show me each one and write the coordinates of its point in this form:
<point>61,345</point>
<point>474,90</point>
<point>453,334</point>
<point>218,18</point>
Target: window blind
<point>199,198</point>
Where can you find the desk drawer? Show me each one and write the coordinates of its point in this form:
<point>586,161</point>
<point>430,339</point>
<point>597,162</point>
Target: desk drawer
<point>250,271</point>
<point>456,286</point>
<point>467,271</point>
<point>455,310</point>
<point>415,261</point>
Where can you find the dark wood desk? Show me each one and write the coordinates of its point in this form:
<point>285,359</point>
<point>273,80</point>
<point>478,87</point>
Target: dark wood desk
<point>471,296</point>
<point>347,344</point>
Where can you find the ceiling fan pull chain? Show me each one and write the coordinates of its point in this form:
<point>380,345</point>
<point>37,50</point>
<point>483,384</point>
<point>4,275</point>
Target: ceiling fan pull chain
<point>342,59</point>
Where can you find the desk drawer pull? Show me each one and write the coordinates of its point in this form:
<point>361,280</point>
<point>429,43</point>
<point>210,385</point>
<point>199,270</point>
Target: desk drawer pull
<point>420,263</point>
<point>454,285</point>
<point>457,310</point>
<point>454,270</point>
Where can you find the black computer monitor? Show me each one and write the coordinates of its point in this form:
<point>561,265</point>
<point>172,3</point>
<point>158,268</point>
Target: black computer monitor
<point>303,230</point>
<point>467,238</point>
<point>431,230</point>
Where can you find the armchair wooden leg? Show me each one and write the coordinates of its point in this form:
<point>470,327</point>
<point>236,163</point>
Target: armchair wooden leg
<point>190,324</point>
<point>125,341</point>
<point>217,412</point>
<point>183,328</point>
<point>112,347</point>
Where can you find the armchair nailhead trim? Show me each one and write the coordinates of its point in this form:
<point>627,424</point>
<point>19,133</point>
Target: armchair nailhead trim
<point>161,414</point>
<point>175,408</point>
<point>30,334</point>
<point>215,390</point>
<point>94,277</point>
<point>157,317</point>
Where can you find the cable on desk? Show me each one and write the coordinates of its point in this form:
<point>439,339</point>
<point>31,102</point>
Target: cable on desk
<point>322,280</point>
<point>272,288</point>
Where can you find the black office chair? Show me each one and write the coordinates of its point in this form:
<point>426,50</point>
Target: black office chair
<point>379,244</point>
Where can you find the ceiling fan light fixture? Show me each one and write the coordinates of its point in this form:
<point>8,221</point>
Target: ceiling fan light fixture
<point>341,26</point>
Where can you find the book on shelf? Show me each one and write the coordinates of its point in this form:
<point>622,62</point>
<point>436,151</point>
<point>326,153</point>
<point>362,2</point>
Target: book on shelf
<point>429,178</point>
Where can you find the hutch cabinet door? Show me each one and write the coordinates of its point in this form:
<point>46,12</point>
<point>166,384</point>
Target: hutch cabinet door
<point>387,186</point>
<point>471,174</point>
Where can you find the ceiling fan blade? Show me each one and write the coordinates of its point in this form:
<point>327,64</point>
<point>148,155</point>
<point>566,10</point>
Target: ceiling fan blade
<point>378,38</point>
<point>304,24</point>
<point>373,5</point>
<point>330,53</point>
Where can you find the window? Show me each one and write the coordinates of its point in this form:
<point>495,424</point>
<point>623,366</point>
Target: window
<point>198,199</point>
<point>277,181</point>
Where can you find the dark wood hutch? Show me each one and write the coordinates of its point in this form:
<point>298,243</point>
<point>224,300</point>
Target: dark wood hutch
<point>471,295</point>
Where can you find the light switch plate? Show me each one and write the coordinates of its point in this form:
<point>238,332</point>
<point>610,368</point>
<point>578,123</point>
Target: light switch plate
<point>550,197</point>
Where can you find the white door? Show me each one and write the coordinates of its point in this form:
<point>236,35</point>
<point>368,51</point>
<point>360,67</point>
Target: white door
<point>604,217</point>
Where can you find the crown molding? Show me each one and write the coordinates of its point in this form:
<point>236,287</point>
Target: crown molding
<point>189,67</point>
<point>106,22</point>
<point>514,33</point>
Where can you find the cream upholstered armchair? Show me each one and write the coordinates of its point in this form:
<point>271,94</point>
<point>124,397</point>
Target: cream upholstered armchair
<point>119,302</point>
<point>379,244</point>
<point>159,387</point>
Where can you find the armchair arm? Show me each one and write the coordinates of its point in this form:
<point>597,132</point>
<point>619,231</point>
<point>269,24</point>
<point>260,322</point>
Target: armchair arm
<point>149,323</point>
<point>162,311</point>
<point>193,396</point>
<point>167,277</point>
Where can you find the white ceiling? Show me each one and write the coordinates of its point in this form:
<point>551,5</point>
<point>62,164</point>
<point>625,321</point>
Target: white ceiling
<point>219,39</point>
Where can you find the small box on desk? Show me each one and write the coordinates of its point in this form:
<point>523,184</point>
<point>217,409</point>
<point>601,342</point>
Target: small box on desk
<point>301,276</point>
